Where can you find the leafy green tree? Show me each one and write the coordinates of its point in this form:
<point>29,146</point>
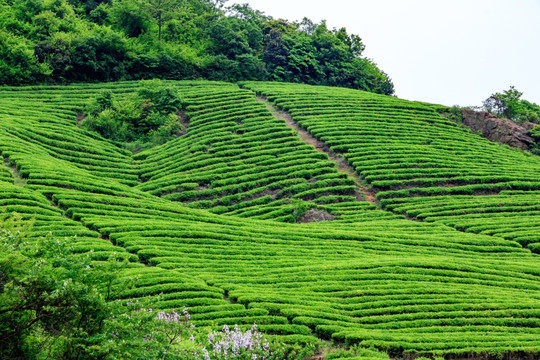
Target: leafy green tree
<point>509,105</point>
<point>56,53</point>
<point>505,104</point>
<point>275,52</point>
<point>367,76</point>
<point>302,64</point>
<point>531,111</point>
<point>353,42</point>
<point>89,5</point>
<point>106,40</point>
<point>128,17</point>
<point>18,64</point>
<point>160,11</point>
<point>99,55</point>
<point>229,38</point>
<point>307,26</point>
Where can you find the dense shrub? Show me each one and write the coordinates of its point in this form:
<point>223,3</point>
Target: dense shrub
<point>18,65</point>
<point>147,117</point>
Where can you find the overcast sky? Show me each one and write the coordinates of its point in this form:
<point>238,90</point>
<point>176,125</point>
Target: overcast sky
<point>449,52</point>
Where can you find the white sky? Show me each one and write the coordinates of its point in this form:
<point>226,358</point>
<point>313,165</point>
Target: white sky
<point>448,52</point>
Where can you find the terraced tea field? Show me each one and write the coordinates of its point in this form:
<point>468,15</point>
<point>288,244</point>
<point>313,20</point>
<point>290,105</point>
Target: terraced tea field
<point>212,220</point>
<point>421,164</point>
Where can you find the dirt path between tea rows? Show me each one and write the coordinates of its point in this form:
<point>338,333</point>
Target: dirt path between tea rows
<point>363,192</point>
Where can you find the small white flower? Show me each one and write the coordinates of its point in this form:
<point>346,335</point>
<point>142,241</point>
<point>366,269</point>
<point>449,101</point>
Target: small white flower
<point>206,354</point>
<point>186,314</point>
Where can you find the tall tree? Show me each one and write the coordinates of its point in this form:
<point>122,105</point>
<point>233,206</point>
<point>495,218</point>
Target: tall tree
<point>160,11</point>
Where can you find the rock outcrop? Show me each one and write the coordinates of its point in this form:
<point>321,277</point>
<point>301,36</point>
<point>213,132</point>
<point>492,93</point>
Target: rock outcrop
<point>314,215</point>
<point>499,130</point>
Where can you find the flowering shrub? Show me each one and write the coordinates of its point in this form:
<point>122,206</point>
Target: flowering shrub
<point>217,345</point>
<point>236,344</point>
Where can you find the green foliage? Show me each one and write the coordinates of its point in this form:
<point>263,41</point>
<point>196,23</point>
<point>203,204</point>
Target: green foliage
<point>509,105</point>
<point>88,41</point>
<point>56,304</point>
<point>147,117</point>
<point>357,352</point>
<point>129,18</point>
<point>18,65</point>
<point>98,56</point>
<point>320,56</point>
<point>534,247</point>
<point>453,113</point>
<point>51,305</point>
<point>299,209</point>
<point>159,11</point>
<point>530,111</point>
<point>164,99</point>
<point>535,133</point>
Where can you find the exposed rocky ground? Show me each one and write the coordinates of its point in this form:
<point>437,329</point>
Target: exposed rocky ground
<point>499,130</point>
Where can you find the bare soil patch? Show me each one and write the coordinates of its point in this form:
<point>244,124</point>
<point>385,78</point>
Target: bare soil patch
<point>314,215</point>
<point>184,121</point>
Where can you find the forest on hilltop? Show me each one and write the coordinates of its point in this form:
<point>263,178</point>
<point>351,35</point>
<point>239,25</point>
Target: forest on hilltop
<point>61,41</point>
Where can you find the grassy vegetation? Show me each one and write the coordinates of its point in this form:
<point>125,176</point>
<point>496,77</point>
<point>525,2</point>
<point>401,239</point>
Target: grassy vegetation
<point>204,217</point>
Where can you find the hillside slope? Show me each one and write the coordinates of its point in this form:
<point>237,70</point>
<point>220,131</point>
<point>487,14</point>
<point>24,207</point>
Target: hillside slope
<point>372,277</point>
<point>421,164</point>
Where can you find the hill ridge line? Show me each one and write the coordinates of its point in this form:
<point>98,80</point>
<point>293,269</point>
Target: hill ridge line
<point>363,193</point>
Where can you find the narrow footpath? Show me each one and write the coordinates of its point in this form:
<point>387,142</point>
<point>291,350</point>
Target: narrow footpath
<point>17,178</point>
<point>363,193</point>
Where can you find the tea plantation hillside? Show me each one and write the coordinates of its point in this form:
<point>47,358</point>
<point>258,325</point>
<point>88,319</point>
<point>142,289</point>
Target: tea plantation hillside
<point>236,158</point>
<point>436,266</point>
<point>421,164</point>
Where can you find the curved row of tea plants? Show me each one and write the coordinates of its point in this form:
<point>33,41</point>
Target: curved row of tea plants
<point>398,277</point>
<point>234,158</point>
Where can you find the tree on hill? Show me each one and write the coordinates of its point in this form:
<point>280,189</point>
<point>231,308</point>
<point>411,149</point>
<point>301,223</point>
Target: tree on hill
<point>509,105</point>
<point>160,11</point>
